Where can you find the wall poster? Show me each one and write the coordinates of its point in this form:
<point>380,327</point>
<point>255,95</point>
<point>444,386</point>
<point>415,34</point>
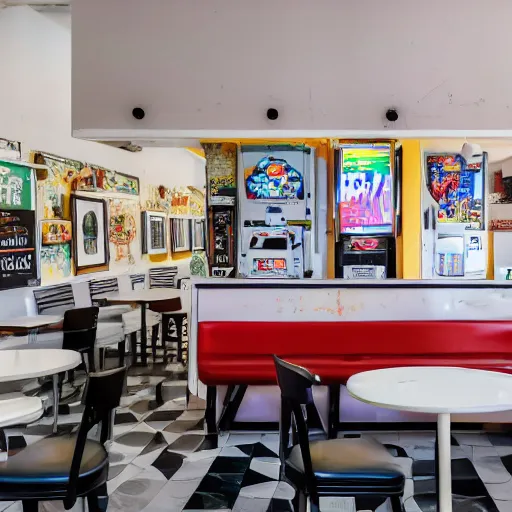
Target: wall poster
<point>457,187</point>
<point>18,258</point>
<point>221,167</point>
<point>55,250</point>
<point>15,186</point>
<point>122,228</point>
<point>90,243</point>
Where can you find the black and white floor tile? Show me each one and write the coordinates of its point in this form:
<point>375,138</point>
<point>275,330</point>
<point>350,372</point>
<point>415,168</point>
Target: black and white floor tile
<point>161,460</point>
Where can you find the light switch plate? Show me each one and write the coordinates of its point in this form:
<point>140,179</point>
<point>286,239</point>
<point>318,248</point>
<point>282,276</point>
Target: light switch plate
<point>333,504</point>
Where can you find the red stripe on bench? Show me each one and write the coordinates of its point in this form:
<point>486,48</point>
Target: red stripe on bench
<point>240,352</point>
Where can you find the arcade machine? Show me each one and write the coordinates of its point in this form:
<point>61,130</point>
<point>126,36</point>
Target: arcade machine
<point>367,209</point>
<point>454,236</point>
<point>275,201</point>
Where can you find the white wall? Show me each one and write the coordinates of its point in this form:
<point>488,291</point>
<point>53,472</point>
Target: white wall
<point>331,67</point>
<point>35,108</point>
<point>35,102</point>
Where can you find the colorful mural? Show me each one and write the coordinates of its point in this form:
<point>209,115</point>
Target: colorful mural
<point>122,228</point>
<point>273,178</point>
<point>113,181</point>
<point>64,175</point>
<point>365,190</point>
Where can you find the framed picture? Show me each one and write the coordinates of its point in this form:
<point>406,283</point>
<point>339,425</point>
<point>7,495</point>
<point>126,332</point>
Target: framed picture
<point>180,235</point>
<point>55,250</point>
<point>154,232</point>
<point>90,241</point>
<point>198,234</point>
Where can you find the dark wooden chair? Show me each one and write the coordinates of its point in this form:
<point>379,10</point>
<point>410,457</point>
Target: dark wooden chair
<point>335,467</point>
<point>70,466</point>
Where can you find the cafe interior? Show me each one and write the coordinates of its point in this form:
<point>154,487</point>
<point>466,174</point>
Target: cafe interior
<point>229,290</point>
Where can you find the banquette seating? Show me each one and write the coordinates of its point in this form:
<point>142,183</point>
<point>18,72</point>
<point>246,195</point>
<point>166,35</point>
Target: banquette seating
<point>239,354</point>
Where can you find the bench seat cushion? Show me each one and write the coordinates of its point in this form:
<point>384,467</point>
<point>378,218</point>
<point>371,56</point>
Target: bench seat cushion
<point>241,352</point>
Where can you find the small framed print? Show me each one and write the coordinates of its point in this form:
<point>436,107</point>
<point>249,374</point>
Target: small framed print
<point>154,232</point>
<point>180,231</point>
<point>198,234</point>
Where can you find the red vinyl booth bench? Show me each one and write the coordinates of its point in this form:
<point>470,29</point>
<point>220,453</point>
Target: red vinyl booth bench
<point>239,353</point>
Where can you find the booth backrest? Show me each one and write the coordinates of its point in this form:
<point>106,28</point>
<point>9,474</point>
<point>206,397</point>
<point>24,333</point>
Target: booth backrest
<point>240,352</point>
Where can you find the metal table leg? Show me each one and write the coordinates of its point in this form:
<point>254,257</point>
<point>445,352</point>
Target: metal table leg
<point>143,334</point>
<point>445,463</point>
<point>55,402</point>
<point>32,336</point>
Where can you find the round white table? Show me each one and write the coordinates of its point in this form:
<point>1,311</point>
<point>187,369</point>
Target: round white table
<point>31,364</point>
<point>142,297</point>
<point>437,390</point>
<point>29,324</point>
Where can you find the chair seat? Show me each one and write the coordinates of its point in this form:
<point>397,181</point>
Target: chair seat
<point>49,462</point>
<point>132,320</point>
<point>113,313</point>
<point>351,463</point>
<point>17,409</point>
<point>109,333</point>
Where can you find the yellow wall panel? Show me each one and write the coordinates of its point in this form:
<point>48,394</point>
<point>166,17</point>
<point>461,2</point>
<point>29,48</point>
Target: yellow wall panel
<point>411,210</point>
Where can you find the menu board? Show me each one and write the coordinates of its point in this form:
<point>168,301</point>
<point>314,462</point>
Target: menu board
<point>18,262</point>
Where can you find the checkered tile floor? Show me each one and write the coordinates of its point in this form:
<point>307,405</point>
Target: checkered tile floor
<point>162,461</point>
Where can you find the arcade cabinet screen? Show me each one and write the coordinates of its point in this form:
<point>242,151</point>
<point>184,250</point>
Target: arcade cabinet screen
<point>365,189</point>
<point>275,179</point>
<point>457,187</point>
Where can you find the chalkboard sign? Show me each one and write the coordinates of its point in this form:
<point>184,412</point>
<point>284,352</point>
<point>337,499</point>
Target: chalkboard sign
<point>18,261</point>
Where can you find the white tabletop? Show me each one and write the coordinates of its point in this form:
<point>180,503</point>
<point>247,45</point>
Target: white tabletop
<point>434,389</point>
<point>150,295</point>
<point>29,364</point>
<point>30,322</point>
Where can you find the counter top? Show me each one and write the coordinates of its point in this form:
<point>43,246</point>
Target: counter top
<point>223,282</point>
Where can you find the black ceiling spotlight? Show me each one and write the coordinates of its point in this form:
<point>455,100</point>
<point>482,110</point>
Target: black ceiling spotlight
<point>138,113</point>
<point>272,114</point>
<point>392,115</point>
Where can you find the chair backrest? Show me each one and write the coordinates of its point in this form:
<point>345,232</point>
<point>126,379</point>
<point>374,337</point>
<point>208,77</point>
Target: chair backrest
<point>80,329</point>
<point>163,277</point>
<point>138,281</point>
<point>102,394</point>
<point>101,287</point>
<point>54,299</point>
<point>295,383</point>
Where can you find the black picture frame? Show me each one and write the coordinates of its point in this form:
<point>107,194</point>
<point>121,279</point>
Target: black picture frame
<point>97,267</point>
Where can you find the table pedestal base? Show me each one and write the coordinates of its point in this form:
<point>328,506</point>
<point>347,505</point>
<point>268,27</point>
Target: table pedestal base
<point>444,475</point>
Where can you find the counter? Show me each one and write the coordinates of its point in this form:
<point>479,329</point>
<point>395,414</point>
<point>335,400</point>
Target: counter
<point>387,322</point>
